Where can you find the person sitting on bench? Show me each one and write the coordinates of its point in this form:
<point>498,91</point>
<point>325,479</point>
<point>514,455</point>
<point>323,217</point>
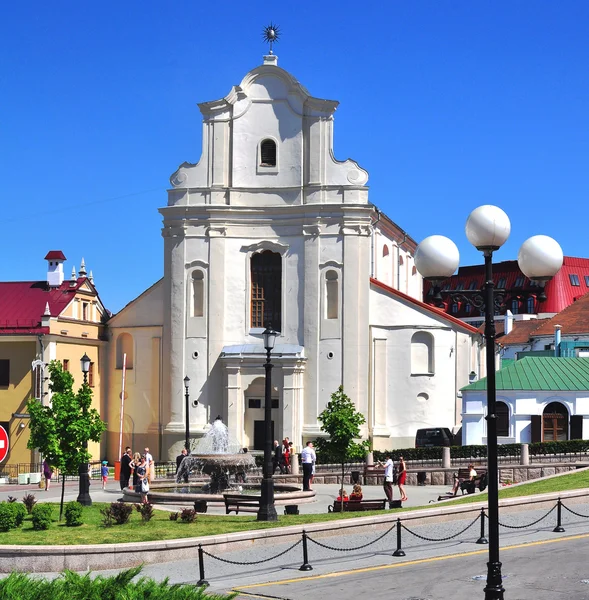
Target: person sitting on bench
<point>343,495</point>
<point>356,494</point>
<point>471,477</point>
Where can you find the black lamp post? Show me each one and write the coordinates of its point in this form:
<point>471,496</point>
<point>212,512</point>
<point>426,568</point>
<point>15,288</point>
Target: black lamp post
<point>540,257</point>
<point>187,412</point>
<point>267,510</point>
<point>84,489</point>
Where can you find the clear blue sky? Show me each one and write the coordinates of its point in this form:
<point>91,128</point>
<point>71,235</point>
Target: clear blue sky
<point>448,104</point>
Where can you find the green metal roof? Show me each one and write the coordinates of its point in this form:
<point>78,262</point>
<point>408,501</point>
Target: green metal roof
<point>540,374</point>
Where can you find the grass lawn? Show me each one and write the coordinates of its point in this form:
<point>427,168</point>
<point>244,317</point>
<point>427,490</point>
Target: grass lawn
<point>161,528</point>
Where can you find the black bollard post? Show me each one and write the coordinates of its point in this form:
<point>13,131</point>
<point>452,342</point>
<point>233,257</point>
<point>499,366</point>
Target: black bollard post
<point>559,528</point>
<point>482,539</point>
<point>305,566</point>
<point>201,568</point>
<point>399,551</point>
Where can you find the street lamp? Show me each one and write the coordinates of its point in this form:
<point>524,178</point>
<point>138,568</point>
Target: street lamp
<point>84,486</point>
<point>540,257</point>
<point>187,415</point>
<point>267,510</point>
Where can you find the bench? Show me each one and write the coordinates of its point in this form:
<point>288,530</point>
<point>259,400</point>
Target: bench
<point>243,502</point>
<point>358,505</point>
<point>468,486</point>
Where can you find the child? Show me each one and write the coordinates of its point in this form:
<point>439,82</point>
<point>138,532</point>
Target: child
<point>104,473</point>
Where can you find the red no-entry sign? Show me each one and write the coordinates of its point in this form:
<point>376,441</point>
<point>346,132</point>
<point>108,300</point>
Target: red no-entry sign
<point>3,443</point>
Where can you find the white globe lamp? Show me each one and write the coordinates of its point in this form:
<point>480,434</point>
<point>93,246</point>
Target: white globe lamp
<point>487,227</point>
<point>437,257</point>
<point>540,258</point>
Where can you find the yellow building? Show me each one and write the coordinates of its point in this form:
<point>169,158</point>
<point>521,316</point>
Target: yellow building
<point>41,321</point>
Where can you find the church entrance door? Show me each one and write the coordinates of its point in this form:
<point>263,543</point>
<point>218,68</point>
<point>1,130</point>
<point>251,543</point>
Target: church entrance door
<point>259,437</point>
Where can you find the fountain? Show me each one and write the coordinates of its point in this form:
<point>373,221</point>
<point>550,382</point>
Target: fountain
<point>226,464</point>
<point>218,457</point>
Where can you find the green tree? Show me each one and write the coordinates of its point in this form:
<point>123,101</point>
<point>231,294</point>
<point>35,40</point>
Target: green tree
<point>341,421</point>
<point>60,431</point>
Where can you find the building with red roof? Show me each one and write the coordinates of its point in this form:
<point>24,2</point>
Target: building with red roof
<point>43,320</point>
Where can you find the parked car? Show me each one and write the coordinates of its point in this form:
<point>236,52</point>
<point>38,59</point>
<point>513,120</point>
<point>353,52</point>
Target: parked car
<point>433,436</point>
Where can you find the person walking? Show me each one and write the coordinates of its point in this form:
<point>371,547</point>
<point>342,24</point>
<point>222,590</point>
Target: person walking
<point>277,460</point>
<point>387,485</point>
<point>134,464</point>
<point>125,473</point>
<point>308,458</point>
<point>149,465</point>
<point>179,460</point>
<point>401,478</point>
<point>104,473</point>
<point>143,480</point>
<point>47,473</point>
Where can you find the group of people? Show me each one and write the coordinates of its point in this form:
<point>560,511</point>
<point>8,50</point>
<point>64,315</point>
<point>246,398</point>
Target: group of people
<point>282,456</point>
<point>394,475</point>
<point>139,467</point>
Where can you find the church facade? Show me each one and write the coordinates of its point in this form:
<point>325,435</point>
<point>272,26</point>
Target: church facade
<point>269,228</point>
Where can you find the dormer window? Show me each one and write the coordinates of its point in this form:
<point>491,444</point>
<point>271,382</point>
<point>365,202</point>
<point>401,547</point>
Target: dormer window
<point>268,153</point>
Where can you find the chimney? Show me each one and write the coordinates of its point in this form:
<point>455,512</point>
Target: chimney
<point>55,260</point>
<point>557,329</point>
<point>508,323</point>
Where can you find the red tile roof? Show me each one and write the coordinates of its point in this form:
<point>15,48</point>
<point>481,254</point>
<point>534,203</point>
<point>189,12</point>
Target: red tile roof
<point>427,307</point>
<point>55,255</point>
<point>22,304</point>
<point>574,319</point>
<point>522,331</point>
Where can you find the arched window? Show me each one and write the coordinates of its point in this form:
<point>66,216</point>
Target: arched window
<point>331,295</point>
<point>385,251</point>
<point>125,346</point>
<point>531,305</point>
<point>555,423</point>
<point>422,353</point>
<point>198,293</point>
<point>502,412</point>
<point>266,290</point>
<point>268,153</point>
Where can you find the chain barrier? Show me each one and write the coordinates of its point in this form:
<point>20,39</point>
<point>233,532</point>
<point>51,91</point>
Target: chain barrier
<point>444,539</point>
<point>255,562</point>
<point>574,512</point>
<point>327,547</point>
<point>528,524</point>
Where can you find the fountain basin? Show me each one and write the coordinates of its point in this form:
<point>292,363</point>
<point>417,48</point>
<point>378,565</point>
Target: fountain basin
<point>163,493</point>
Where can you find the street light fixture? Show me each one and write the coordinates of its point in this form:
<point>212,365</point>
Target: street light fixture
<point>540,257</point>
<point>187,413</point>
<point>267,510</point>
<point>84,485</point>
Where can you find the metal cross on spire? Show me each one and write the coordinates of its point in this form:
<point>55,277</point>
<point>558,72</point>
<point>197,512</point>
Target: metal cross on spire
<point>271,34</point>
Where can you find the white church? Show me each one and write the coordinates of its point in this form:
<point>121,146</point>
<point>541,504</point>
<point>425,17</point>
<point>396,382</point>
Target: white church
<point>269,227</point>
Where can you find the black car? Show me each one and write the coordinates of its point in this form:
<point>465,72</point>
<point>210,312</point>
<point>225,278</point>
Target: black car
<point>433,436</point>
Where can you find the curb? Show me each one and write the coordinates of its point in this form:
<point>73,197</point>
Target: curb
<point>96,557</point>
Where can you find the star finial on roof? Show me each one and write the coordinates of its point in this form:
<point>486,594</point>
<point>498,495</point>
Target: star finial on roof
<point>82,271</point>
<point>271,34</point>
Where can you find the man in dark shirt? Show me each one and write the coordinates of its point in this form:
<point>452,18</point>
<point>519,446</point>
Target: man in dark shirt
<point>179,460</point>
<point>277,460</point>
<point>125,468</point>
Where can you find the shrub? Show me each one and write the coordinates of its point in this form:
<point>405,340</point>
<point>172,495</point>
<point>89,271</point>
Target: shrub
<point>41,515</point>
<point>73,514</point>
<point>29,501</point>
<point>174,516</point>
<point>119,512</point>
<point>188,515</point>
<point>7,516</point>
<point>20,512</point>
<point>146,511</point>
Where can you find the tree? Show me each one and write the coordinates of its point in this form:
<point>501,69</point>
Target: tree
<point>341,421</point>
<point>62,430</point>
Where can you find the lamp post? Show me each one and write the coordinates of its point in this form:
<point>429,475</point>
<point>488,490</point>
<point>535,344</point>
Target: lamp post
<point>84,486</point>
<point>187,414</point>
<point>436,258</point>
<point>267,510</point>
